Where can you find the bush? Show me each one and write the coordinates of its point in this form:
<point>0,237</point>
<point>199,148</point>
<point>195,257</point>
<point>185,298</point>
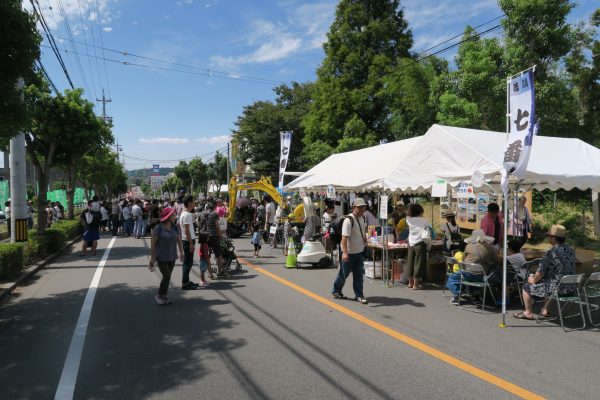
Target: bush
<point>51,240</point>
<point>71,228</point>
<point>11,259</point>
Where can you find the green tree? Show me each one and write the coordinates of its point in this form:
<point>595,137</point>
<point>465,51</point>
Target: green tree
<point>19,46</point>
<point>182,172</point>
<point>407,92</point>
<point>171,184</point>
<point>102,172</point>
<point>473,95</point>
<point>84,133</point>
<point>198,175</point>
<point>366,41</point>
<point>217,171</point>
<point>257,132</point>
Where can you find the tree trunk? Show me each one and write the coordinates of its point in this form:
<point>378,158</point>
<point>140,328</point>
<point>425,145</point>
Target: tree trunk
<point>42,180</point>
<point>71,193</point>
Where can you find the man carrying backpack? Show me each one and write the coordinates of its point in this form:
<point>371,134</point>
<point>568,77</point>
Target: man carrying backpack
<point>353,243</point>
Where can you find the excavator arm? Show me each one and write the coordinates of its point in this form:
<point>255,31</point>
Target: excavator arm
<point>263,184</point>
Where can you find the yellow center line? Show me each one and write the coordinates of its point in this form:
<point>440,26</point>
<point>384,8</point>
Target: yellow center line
<point>448,359</point>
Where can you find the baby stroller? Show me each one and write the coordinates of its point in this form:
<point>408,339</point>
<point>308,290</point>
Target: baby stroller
<point>228,255</point>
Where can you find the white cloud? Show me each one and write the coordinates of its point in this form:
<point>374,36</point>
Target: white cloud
<point>164,140</point>
<point>305,28</point>
<point>73,9</point>
<point>107,29</point>
<point>214,139</point>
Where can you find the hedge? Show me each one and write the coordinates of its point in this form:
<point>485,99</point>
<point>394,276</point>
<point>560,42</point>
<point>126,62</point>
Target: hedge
<point>13,257</point>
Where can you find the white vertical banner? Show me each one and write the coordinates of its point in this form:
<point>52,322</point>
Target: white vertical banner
<point>521,95</point>
<point>286,143</point>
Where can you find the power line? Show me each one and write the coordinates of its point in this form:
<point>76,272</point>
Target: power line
<point>40,67</point>
<point>94,43</point>
<point>102,45</point>
<point>51,41</point>
<point>171,69</point>
<point>208,71</point>
<point>77,59</point>
<point>179,159</point>
<point>87,49</point>
<point>459,35</point>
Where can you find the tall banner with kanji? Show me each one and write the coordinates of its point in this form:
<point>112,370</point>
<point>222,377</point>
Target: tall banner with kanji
<point>286,143</point>
<point>523,125</point>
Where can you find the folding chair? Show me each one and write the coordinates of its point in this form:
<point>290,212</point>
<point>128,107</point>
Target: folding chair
<point>568,282</point>
<point>476,269</point>
<point>450,261</point>
<point>591,290</point>
<point>529,267</point>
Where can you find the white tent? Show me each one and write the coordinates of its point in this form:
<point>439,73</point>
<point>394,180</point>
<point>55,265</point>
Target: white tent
<point>355,171</point>
<point>454,154</point>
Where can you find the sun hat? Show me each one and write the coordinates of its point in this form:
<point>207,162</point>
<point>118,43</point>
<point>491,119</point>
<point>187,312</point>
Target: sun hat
<point>358,202</point>
<point>557,231</point>
<point>479,236</point>
<point>399,203</point>
<point>448,214</point>
<point>166,213</point>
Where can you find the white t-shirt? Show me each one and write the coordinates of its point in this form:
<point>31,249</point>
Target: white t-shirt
<point>356,238</point>
<point>270,210</point>
<point>326,221</point>
<point>187,218</point>
<point>416,226</point>
<point>7,212</point>
<point>104,213</point>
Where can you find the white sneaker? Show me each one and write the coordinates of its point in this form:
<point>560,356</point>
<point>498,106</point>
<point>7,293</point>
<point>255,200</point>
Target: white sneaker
<point>159,300</point>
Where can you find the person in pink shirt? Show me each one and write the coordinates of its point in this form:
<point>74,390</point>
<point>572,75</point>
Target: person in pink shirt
<point>220,209</point>
<point>492,224</point>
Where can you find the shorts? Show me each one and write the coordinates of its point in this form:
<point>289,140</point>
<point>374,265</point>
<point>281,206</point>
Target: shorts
<point>203,265</point>
<point>214,243</point>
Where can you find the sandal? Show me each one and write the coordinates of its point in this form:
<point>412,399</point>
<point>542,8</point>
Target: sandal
<point>522,315</point>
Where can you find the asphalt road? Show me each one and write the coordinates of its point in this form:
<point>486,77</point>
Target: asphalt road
<point>254,336</point>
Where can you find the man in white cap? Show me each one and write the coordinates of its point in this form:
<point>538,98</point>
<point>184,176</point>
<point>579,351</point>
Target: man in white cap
<point>480,250</point>
<point>353,246</point>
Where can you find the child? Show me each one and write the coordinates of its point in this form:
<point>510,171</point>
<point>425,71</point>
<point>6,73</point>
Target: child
<point>515,258</point>
<point>256,239</point>
<point>204,263</point>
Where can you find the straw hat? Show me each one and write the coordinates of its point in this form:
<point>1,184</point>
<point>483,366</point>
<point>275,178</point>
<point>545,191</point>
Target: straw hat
<point>557,231</point>
<point>399,203</point>
<point>478,237</point>
<point>166,213</point>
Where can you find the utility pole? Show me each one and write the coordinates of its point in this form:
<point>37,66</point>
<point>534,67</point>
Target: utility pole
<point>228,164</point>
<point>104,100</point>
<point>18,183</point>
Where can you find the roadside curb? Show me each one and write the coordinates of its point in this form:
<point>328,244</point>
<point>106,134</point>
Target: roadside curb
<point>7,288</point>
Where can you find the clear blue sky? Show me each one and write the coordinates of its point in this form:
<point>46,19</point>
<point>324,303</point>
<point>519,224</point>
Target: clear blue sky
<point>164,115</point>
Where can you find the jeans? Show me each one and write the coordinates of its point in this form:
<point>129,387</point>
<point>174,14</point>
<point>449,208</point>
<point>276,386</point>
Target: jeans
<point>453,283</point>
<point>128,226</point>
<point>166,268</point>
<point>188,261</point>
<point>137,229</point>
<point>355,265</point>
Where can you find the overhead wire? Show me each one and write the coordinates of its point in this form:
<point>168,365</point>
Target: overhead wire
<point>102,46</point>
<point>172,69</point>
<point>179,159</point>
<point>67,25</point>
<point>51,40</point>
<point>209,71</point>
<point>89,9</point>
<point>87,51</point>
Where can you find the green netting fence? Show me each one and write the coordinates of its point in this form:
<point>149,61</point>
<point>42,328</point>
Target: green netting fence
<point>54,195</point>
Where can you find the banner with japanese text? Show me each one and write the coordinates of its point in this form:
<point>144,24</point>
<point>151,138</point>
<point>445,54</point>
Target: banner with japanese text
<point>286,143</point>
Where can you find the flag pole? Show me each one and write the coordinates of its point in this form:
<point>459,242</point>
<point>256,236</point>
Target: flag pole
<point>505,195</point>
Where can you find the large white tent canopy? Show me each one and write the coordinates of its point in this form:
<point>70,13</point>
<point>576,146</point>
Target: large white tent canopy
<point>453,154</point>
<point>355,171</point>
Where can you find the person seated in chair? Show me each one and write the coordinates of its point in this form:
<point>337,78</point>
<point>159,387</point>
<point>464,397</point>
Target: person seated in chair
<point>479,250</point>
<point>556,263</point>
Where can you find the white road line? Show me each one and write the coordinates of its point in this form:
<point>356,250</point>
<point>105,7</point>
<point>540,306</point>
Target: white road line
<point>68,378</point>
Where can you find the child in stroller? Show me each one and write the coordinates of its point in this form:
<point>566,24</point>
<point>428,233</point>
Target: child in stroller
<point>229,256</point>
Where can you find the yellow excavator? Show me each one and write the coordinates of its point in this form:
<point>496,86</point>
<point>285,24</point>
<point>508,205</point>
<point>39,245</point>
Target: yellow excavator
<point>264,185</point>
